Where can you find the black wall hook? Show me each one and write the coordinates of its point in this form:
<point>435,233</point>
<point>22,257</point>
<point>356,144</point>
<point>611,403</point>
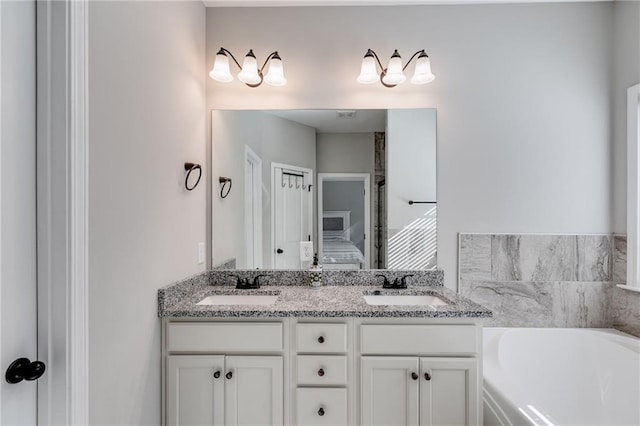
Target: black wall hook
<point>190,167</point>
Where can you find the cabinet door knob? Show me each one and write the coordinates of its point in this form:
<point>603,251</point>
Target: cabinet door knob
<point>321,372</point>
<point>229,375</point>
<point>414,376</point>
<point>321,411</point>
<point>321,339</point>
<point>427,376</point>
<point>216,375</point>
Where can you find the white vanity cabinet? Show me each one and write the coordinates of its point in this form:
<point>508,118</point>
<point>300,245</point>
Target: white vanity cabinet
<point>224,390</point>
<point>428,376</point>
<point>322,371</point>
<point>224,373</point>
<point>419,391</point>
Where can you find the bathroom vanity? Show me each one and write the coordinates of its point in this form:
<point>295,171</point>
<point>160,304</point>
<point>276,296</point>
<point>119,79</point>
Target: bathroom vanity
<point>320,357</point>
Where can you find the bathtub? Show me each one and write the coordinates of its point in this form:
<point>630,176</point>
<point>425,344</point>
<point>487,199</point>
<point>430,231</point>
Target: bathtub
<point>561,376</point>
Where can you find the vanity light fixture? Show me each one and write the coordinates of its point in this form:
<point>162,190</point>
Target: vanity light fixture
<point>394,73</point>
<point>249,72</point>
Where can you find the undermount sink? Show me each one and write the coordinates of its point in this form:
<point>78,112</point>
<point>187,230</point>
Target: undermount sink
<point>239,299</point>
<point>403,299</point>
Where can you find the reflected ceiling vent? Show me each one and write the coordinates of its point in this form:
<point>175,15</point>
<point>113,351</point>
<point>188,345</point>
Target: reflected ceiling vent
<point>345,115</point>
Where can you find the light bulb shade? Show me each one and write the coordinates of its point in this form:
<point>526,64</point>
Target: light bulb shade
<point>368,72</point>
<point>249,73</point>
<point>275,75</point>
<point>394,73</point>
<point>220,71</point>
<point>422,73</point>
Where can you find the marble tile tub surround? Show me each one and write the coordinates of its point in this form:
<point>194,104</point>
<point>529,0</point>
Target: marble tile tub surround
<point>173,293</point>
<point>543,280</point>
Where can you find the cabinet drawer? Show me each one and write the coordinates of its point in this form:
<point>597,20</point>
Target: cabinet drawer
<point>419,339</point>
<point>224,337</point>
<point>321,338</point>
<point>321,406</point>
<point>322,370</point>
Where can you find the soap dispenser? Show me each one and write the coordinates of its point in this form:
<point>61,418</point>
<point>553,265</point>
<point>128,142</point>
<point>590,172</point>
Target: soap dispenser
<point>315,273</point>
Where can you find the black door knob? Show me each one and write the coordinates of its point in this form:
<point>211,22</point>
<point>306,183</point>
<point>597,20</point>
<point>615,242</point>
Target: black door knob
<point>216,375</point>
<point>23,369</point>
<point>427,376</point>
<point>229,375</point>
<point>321,411</point>
<point>414,376</point>
<point>279,251</point>
<point>321,372</point>
<point>321,339</point>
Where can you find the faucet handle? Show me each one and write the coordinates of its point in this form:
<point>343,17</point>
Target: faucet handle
<point>403,280</point>
<point>256,280</point>
<point>238,280</point>
<point>386,283</point>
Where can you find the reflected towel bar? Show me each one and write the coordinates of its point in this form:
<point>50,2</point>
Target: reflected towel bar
<point>411,202</point>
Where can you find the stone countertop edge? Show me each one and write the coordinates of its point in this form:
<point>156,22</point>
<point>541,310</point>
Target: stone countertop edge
<point>179,300</point>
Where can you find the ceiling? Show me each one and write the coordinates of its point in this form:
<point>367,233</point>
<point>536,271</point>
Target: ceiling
<point>275,3</point>
<point>328,121</point>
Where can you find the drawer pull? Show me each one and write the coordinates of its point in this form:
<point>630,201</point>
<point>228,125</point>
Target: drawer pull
<point>414,376</point>
<point>321,412</point>
<point>321,372</point>
<point>321,339</point>
<point>216,375</point>
<point>229,375</point>
<point>427,376</point>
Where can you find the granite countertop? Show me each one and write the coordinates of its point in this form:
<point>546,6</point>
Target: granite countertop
<point>304,301</point>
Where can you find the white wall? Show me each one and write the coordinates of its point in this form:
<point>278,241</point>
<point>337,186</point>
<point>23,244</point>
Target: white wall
<point>147,117</point>
<point>522,94</point>
<point>273,139</point>
<point>411,164</point>
<point>345,153</point>
<point>626,73</point>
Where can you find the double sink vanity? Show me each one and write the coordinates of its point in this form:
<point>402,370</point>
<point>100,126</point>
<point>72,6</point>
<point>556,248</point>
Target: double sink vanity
<point>348,353</point>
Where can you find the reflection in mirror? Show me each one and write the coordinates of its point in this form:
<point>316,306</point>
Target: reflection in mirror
<point>357,187</point>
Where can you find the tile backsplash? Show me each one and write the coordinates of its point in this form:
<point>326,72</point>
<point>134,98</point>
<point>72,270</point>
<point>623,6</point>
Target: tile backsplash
<point>549,280</point>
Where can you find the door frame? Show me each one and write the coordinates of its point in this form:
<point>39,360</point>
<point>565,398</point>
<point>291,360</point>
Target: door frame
<point>62,210</point>
<point>256,202</point>
<point>351,177</point>
<point>273,204</point>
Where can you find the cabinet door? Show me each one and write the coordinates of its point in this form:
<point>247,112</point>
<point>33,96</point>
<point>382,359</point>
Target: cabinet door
<point>449,392</point>
<point>254,391</point>
<point>389,391</point>
<point>195,390</point>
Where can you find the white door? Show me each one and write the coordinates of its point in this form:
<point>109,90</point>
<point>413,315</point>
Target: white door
<point>195,390</point>
<point>449,392</point>
<point>389,391</point>
<point>254,387</point>
<point>292,214</point>
<point>18,326</point>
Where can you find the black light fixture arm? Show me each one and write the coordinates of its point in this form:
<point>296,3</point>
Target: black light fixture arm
<point>419,52</point>
<point>223,50</point>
